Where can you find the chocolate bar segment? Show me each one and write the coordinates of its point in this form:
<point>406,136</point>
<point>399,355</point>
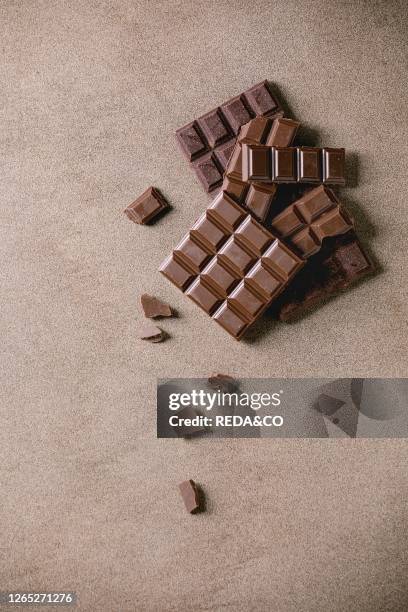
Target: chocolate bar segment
<point>231,266</point>
<point>207,142</point>
<point>257,198</point>
<point>307,222</point>
<point>261,163</point>
<point>339,264</point>
<point>147,206</point>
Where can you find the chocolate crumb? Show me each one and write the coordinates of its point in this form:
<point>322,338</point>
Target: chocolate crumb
<point>148,331</point>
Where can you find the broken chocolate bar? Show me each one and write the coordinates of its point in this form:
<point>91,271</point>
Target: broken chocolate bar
<point>190,493</point>
<point>207,142</point>
<point>147,206</point>
<point>153,307</point>
<point>307,222</point>
<point>292,164</point>
<point>257,198</point>
<point>340,263</point>
<point>231,266</point>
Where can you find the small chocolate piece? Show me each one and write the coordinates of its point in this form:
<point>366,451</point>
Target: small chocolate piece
<point>150,332</point>
<point>262,163</point>
<point>153,307</point>
<point>147,206</point>
<point>223,382</point>
<point>257,198</point>
<point>207,142</point>
<point>307,222</point>
<point>340,263</point>
<point>191,496</point>
<point>328,405</point>
<point>231,266</point>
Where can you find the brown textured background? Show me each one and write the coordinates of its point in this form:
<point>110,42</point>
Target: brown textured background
<point>91,93</point>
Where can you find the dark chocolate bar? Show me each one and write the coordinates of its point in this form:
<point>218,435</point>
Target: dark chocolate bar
<point>147,206</point>
<point>341,262</point>
<point>315,216</point>
<point>257,198</point>
<point>262,163</point>
<point>231,266</point>
<point>207,142</point>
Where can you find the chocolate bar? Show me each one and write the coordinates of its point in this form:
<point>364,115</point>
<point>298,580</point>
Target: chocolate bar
<point>307,222</point>
<point>341,262</point>
<point>257,198</point>
<point>292,164</point>
<point>231,266</point>
<point>207,142</point>
<point>147,206</point>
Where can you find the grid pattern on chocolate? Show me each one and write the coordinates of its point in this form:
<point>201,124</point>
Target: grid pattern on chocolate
<point>264,163</point>
<point>146,207</point>
<point>315,216</point>
<point>340,264</point>
<point>208,141</point>
<point>231,266</point>
<point>257,198</point>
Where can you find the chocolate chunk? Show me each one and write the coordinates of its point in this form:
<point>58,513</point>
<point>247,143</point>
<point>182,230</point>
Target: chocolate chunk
<point>147,206</point>
<point>190,493</point>
<point>207,141</point>
<point>222,382</point>
<point>148,331</point>
<point>328,405</point>
<point>153,307</point>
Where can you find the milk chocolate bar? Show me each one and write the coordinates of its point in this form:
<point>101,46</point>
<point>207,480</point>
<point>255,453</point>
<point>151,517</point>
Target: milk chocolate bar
<point>231,266</point>
<point>315,216</point>
<point>341,262</point>
<point>207,142</point>
<point>257,198</point>
<point>262,163</point>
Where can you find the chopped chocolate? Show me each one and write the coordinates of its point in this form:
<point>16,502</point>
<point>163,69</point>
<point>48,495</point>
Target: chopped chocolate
<point>150,332</point>
<point>153,307</point>
<point>190,493</point>
<point>147,206</point>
